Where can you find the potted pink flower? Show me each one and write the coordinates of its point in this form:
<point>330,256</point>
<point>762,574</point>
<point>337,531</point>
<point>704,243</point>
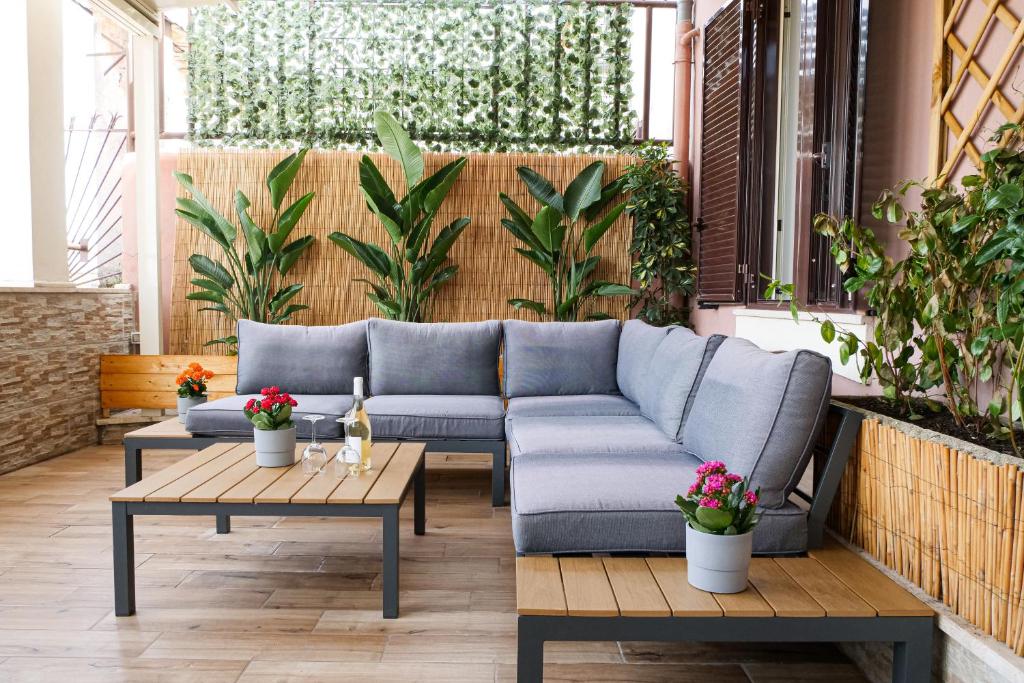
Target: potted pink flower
<point>272,428</point>
<point>721,513</point>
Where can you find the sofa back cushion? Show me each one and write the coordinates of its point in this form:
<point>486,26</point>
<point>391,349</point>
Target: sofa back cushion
<point>559,359</point>
<point>760,412</point>
<point>669,384</point>
<point>434,358</point>
<point>299,359</point>
<point>637,344</point>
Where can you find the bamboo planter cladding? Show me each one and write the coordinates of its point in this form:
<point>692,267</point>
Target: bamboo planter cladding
<point>948,520</point>
<point>490,272</point>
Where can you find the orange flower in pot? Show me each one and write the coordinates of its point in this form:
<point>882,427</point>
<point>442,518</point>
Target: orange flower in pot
<point>191,388</point>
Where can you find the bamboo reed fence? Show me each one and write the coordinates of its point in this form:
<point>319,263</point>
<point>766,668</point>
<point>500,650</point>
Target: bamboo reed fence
<point>945,519</point>
<point>490,272</point>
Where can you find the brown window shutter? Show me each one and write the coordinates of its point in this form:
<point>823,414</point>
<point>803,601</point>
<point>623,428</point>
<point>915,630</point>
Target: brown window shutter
<point>721,207</point>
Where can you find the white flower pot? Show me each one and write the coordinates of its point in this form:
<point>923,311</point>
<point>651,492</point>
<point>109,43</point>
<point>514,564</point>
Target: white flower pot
<point>718,564</point>
<point>274,448</point>
<point>186,402</point>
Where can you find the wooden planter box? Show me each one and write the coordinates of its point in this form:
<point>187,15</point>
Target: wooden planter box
<point>946,514</point>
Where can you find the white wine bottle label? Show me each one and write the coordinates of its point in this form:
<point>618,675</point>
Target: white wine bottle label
<point>356,442</point>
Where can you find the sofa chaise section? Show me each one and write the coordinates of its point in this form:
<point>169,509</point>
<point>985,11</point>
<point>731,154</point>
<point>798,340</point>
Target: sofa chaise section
<point>317,365</point>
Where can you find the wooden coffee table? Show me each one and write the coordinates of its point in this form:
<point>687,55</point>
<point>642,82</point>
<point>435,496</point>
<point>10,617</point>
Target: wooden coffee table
<point>831,596</point>
<point>224,480</point>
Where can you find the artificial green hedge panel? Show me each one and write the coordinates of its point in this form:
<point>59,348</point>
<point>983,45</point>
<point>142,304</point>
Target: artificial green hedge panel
<point>528,75</point>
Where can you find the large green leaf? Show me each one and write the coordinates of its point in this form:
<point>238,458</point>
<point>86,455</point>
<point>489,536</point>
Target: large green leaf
<point>547,229</point>
<point>286,313</point>
<point>529,304</point>
<point>282,296</point>
<point>389,307</point>
<point>393,229</point>
<point>289,218</point>
<point>609,192</point>
<point>204,265</point>
<point>280,179</point>
<point>205,295</point>
<point>541,188</point>
<point>203,221</point>
<point>209,284</point>
<point>524,234</point>
<point>439,278</point>
<point>593,234</point>
<point>225,226</point>
<point>255,239</point>
<point>372,182</point>
<point>418,237</point>
<point>443,243</point>
<point>584,190</point>
<point>521,218</point>
<point>399,146</point>
<point>370,255</point>
<point>434,197</point>
<point>291,253</point>
<point>543,261</point>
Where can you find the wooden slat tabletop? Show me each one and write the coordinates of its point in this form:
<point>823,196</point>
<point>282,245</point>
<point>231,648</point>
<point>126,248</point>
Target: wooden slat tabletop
<point>227,473</point>
<point>832,582</point>
<point>167,429</point>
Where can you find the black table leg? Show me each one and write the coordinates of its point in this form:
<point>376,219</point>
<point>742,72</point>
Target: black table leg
<point>124,560</point>
<point>132,463</point>
<point>420,498</point>
<point>498,475</point>
<point>390,598</point>
<point>223,524</point>
<point>912,658</point>
<point>530,656</point>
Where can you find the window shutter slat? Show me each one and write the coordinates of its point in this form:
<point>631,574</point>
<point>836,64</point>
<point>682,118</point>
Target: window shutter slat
<point>722,162</point>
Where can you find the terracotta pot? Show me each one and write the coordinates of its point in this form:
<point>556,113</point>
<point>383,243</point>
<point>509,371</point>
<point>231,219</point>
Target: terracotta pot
<point>186,402</point>
<point>718,564</point>
<point>274,448</point>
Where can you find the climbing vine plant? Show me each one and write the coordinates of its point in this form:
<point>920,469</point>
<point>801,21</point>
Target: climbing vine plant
<point>525,75</point>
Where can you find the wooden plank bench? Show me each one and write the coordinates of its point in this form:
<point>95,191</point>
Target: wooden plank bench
<point>830,596</point>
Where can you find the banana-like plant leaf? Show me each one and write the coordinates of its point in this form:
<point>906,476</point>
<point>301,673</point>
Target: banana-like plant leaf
<point>205,295</point>
<point>232,339</point>
<point>379,290</point>
<point>399,146</point>
<point>583,269</point>
<point>443,243</point>
<point>593,234</point>
<point>370,255</point>
<point>372,182</point>
<point>218,308</point>
<point>208,284</point>
<point>612,289</point>
<point>521,218</point>
<point>289,217</point>
<point>439,278</point>
<point>287,313</point>
<point>284,295</point>
<point>566,306</point>
<point>280,179</point>
<point>529,304</point>
<point>255,239</point>
<point>390,307</point>
<point>291,253</point>
<point>525,235</point>
<point>204,265</point>
<point>393,229</point>
<point>584,190</point>
<point>225,226</point>
<point>547,229</point>
<point>541,188</point>
<point>609,192</point>
<point>435,195</point>
<point>543,261</point>
<point>418,237</point>
<point>202,221</point>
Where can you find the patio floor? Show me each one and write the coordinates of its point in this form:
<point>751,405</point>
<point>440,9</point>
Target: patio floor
<point>299,599</point>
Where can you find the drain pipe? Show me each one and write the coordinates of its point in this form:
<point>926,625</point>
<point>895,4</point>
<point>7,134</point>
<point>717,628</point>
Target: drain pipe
<point>685,34</point>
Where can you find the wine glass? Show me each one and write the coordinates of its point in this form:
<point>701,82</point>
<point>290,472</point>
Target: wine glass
<point>314,456</point>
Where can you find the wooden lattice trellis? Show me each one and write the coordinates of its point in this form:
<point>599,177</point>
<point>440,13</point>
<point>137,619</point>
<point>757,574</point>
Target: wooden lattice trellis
<point>977,84</point>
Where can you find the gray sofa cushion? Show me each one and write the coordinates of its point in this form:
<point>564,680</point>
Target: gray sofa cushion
<point>224,417</point>
<point>299,359</point>
<point>673,376</point>
<point>585,436</point>
<point>637,344</point>
<point>422,416</point>
<point>583,504</point>
<point>760,413</point>
<point>556,406</point>
<point>560,359</point>
<point>434,358</point>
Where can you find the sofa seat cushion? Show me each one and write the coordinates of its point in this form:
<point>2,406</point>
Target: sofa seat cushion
<point>225,416</point>
<point>424,416</point>
<point>586,436</point>
<point>434,358</point>
<point>590,504</point>
<point>560,358</point>
<point>300,359</point>
<point>606,405</point>
<point>760,413</point>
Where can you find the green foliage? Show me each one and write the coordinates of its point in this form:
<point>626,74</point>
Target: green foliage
<point>951,312</point>
<point>531,75</point>
<point>663,266</point>
<point>407,271</point>
<point>560,238</point>
<point>247,284</point>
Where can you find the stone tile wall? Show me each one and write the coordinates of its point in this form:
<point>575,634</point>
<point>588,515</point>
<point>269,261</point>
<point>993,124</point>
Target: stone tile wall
<point>50,344</point>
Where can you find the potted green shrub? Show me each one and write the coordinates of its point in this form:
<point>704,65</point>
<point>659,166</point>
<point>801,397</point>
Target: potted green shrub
<point>721,513</point>
<point>273,430</point>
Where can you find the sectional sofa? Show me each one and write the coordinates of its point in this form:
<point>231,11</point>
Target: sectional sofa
<point>604,423</point>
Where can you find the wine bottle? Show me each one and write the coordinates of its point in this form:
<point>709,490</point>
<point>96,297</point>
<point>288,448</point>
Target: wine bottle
<point>358,433</point>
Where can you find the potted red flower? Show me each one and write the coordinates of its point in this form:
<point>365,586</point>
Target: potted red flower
<point>721,513</point>
<point>272,428</point>
<point>191,388</point>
